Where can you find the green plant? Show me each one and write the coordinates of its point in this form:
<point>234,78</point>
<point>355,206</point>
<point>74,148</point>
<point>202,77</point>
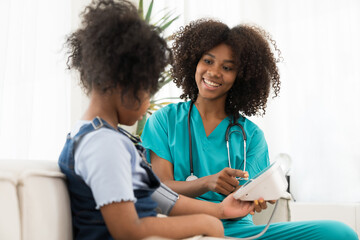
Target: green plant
<point>162,24</point>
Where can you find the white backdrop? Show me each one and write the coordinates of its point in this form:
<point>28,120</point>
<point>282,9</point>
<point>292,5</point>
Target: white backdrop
<point>315,120</point>
<point>34,88</point>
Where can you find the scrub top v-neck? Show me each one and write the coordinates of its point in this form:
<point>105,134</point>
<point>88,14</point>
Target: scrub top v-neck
<point>166,134</point>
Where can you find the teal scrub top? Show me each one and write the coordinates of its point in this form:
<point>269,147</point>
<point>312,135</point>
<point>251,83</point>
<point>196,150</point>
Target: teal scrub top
<point>166,134</point>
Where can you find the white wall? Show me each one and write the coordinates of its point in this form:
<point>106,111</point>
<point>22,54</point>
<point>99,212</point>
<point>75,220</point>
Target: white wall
<point>79,100</point>
<point>34,88</point>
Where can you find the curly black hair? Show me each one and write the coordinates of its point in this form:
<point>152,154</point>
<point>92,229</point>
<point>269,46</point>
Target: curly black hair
<point>253,51</point>
<point>116,48</point>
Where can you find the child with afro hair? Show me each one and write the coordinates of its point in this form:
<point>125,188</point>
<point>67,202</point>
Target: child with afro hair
<point>113,192</point>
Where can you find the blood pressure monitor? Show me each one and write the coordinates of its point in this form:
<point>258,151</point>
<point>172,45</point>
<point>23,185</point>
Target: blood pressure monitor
<point>269,184</point>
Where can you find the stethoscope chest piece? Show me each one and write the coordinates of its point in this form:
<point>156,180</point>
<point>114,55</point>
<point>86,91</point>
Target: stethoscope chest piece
<point>192,177</point>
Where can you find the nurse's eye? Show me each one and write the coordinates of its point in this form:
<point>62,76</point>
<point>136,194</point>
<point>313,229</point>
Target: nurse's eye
<point>207,61</point>
<point>227,68</point>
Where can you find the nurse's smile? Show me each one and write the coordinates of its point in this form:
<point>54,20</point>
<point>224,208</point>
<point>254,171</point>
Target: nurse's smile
<point>211,84</point>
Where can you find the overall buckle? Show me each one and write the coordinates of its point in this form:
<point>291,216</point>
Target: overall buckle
<point>98,124</point>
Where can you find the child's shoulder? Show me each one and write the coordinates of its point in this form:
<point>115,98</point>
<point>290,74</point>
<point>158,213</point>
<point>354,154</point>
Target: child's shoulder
<point>100,137</point>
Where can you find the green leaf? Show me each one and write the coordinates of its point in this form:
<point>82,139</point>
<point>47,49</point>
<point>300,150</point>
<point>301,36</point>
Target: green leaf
<point>164,18</point>
<point>141,9</point>
<point>166,25</point>
<point>164,22</point>
<point>148,14</point>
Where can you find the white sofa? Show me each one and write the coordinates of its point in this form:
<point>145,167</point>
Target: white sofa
<point>34,204</point>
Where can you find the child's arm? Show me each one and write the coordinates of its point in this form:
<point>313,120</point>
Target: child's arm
<point>228,208</point>
<point>123,223</point>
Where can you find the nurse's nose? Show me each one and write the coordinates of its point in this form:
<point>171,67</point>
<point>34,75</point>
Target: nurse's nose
<point>213,72</point>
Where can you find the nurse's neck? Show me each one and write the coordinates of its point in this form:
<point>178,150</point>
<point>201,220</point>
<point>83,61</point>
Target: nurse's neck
<point>210,109</point>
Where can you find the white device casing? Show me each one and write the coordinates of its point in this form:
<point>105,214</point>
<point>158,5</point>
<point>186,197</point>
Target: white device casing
<point>270,184</point>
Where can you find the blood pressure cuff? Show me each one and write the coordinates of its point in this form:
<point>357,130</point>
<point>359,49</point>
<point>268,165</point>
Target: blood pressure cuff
<point>165,198</point>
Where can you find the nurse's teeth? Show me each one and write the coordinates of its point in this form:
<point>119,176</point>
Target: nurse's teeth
<point>213,84</point>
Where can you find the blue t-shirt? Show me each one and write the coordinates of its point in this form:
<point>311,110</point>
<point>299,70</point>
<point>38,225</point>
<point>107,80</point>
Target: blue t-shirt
<point>166,134</point>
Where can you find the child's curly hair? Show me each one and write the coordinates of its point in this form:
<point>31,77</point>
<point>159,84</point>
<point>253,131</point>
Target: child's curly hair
<point>254,59</point>
<point>116,48</point>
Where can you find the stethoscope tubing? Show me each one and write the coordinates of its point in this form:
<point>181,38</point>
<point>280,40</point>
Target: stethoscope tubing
<point>190,142</point>
<point>227,137</point>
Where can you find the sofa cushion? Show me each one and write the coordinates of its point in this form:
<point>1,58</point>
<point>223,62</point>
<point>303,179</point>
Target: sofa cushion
<point>9,207</point>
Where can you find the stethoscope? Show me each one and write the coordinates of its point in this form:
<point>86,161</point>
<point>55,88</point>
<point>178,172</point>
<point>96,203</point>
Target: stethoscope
<point>227,137</point>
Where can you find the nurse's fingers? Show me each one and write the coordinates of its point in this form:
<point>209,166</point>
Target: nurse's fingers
<point>233,182</point>
<point>224,188</point>
<point>220,189</point>
<point>236,173</point>
<point>226,177</point>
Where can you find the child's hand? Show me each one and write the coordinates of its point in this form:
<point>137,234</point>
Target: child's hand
<point>232,208</point>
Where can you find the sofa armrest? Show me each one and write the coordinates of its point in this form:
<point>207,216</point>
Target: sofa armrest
<point>10,227</point>
<point>45,205</point>
<point>42,200</point>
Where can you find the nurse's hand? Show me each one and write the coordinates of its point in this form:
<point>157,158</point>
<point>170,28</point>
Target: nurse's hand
<point>225,182</point>
<point>232,208</point>
<point>260,204</point>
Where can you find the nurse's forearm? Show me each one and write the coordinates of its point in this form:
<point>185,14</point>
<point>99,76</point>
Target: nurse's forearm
<point>164,169</point>
<point>193,188</point>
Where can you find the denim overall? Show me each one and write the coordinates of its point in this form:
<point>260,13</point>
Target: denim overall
<point>87,221</point>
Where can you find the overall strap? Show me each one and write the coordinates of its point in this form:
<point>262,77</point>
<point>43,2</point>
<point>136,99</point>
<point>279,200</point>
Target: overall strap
<point>137,143</point>
<point>94,125</point>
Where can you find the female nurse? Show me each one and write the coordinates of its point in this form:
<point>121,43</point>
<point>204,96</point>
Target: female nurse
<point>223,72</point>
